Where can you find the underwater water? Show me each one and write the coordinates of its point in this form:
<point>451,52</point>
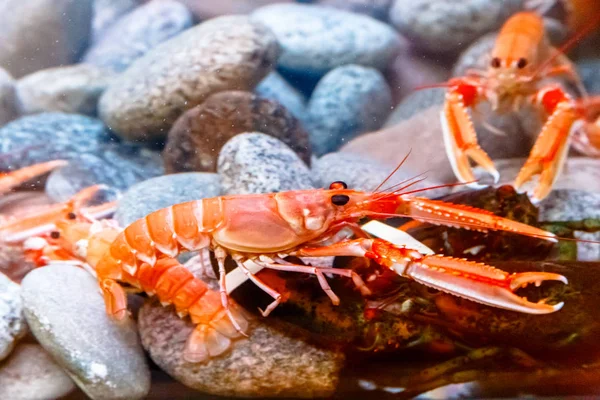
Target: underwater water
<point>345,199</point>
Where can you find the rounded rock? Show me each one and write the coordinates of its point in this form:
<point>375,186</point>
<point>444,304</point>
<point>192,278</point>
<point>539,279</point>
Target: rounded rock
<point>12,322</point>
<point>226,53</point>
<point>66,313</point>
<point>198,135</point>
<point>30,373</point>
<point>163,191</point>
<point>378,9</point>
<point>447,26</point>
<point>348,101</point>
<point>107,12</point>
<point>117,166</point>
<point>137,32</point>
<point>38,34</point>
<point>253,163</point>
<point>275,87</point>
<point>49,136</point>
<point>8,99</point>
<point>72,89</point>
<point>317,39</point>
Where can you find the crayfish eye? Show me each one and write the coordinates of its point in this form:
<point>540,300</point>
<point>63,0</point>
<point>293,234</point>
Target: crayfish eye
<point>55,234</point>
<point>71,215</point>
<point>495,62</point>
<point>521,63</point>
<point>337,185</point>
<point>340,199</point>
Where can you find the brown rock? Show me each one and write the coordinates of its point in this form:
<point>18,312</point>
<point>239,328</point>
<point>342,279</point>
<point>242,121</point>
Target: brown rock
<point>194,142</point>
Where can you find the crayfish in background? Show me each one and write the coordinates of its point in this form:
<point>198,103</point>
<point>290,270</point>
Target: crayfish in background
<point>264,231</point>
<point>521,59</point>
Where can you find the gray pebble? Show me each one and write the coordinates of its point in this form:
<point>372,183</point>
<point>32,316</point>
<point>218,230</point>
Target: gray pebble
<point>71,89</point>
<point>117,166</point>
<point>31,374</point>
<point>8,99</point>
<point>348,101</point>
<point>221,54</point>
<point>138,32</point>
<point>589,70</point>
<point>66,313</point>
<point>49,136</point>
<point>317,39</point>
<point>38,34</point>
<point>378,9</point>
<point>163,191</point>
<point>275,87</point>
<point>447,26</point>
<point>107,13</point>
<point>12,321</point>
<point>258,163</point>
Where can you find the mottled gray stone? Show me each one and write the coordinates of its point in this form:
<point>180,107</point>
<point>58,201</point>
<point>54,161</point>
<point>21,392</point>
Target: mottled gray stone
<point>363,173</point>
<point>38,34</point>
<point>378,9</point>
<point>31,374</point>
<point>12,321</point>
<point>71,89</point>
<point>138,32</point>
<point>226,53</point>
<point>348,101</point>
<point>163,191</point>
<point>447,26</point>
<point>317,39</point>
<point>275,360</point>
<point>414,103</point>
<point>8,98</point>
<point>107,12</point>
<point>65,311</point>
<point>49,136</point>
<point>275,87</point>
<point>117,166</point>
<point>258,163</point>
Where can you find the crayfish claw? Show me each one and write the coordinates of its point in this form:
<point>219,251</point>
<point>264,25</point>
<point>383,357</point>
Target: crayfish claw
<point>522,279</point>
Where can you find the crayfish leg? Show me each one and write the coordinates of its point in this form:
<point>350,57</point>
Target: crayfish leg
<point>115,299</point>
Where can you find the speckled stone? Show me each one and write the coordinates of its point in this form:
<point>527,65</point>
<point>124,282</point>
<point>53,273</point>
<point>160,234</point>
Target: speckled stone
<point>163,191</point>
<point>378,9</point>
<point>225,53</point>
<point>348,101</point>
<point>8,98</point>
<point>137,32</point>
<point>117,166</point>
<point>38,34</point>
<point>106,13</point>
<point>197,137</point>
<point>71,89</point>
<point>317,39</point>
<point>12,321</point>
<point>49,136</point>
<point>275,87</point>
<point>258,163</point>
<point>447,26</point>
<point>31,374</point>
<point>274,361</point>
<point>66,313</point>
<point>363,173</point>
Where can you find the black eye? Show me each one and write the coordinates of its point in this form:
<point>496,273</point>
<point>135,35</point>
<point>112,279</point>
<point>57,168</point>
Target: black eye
<point>55,234</point>
<point>71,215</point>
<point>338,185</point>
<point>495,62</point>
<point>340,199</point>
<point>521,63</point>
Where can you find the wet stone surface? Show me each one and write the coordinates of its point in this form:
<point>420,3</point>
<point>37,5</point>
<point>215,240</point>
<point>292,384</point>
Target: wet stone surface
<point>117,166</point>
<point>258,163</point>
<point>136,33</point>
<point>163,191</point>
<point>70,89</point>
<point>66,313</point>
<point>197,137</point>
<point>106,13</point>
<point>38,34</point>
<point>348,101</point>
<point>30,373</point>
<point>226,53</point>
<point>12,321</point>
<point>275,87</point>
<point>317,39</point>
